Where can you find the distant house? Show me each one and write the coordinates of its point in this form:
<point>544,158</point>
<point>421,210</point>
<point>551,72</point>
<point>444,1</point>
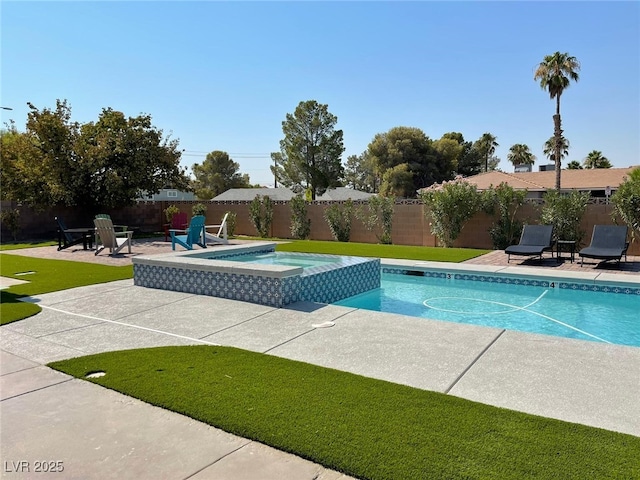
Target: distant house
<point>523,168</point>
<point>599,182</point>
<point>343,193</point>
<point>248,194</point>
<point>168,195</point>
<point>284,194</point>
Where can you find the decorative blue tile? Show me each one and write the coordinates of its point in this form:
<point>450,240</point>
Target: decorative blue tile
<point>322,284</point>
<point>517,281</point>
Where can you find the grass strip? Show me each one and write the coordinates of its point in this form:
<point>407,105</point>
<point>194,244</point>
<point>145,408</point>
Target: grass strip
<point>13,309</point>
<point>408,252</point>
<point>21,245</point>
<point>48,276</point>
<point>363,427</point>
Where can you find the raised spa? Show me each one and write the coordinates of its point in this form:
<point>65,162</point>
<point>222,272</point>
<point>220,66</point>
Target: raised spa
<point>258,274</point>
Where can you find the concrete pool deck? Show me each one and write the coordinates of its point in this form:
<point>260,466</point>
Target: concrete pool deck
<point>98,433</point>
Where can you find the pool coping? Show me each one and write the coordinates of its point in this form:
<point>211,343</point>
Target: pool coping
<point>519,272</point>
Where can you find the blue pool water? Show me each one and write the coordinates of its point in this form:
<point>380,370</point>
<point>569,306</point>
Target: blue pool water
<point>285,259</point>
<point>540,307</point>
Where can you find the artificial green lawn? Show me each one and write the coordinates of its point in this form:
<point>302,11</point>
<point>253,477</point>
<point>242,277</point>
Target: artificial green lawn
<point>12,309</point>
<point>19,246</point>
<point>363,427</point>
<point>48,276</point>
<point>435,254</point>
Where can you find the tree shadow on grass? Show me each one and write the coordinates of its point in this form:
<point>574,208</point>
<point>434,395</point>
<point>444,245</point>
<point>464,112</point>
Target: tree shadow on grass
<point>13,309</point>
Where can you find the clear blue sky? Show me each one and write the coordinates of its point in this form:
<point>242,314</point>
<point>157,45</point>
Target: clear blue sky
<point>223,75</point>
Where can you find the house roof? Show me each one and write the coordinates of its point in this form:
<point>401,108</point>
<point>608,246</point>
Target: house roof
<point>248,194</point>
<point>284,194</point>
<point>344,193</point>
<point>589,179</point>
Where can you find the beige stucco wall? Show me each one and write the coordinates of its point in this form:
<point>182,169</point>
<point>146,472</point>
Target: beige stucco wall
<point>410,225</point>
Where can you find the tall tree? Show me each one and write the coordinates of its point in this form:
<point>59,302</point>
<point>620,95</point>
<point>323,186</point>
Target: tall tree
<point>493,163</point>
<point>54,135</point>
<point>470,161</point>
<point>311,149</point>
<point>286,173</point>
<point>410,146</point>
<point>361,173</point>
<point>121,158</point>
<point>467,159</point>
<point>595,159</point>
<point>398,182</point>
<point>574,165</point>
<point>22,170</point>
<point>102,164</point>
<point>450,149</point>
<point>486,146</point>
<point>550,149</point>
<point>555,73</point>
<point>217,174</point>
<point>519,154</point>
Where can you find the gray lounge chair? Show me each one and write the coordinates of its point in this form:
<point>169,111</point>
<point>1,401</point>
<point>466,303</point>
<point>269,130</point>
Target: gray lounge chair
<point>534,240</point>
<point>608,242</point>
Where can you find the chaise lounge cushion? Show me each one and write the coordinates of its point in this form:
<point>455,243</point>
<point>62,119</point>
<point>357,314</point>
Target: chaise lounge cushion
<point>534,240</point>
<point>608,242</point>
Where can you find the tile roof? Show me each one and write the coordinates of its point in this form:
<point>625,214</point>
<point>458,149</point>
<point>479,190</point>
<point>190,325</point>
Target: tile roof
<point>589,179</point>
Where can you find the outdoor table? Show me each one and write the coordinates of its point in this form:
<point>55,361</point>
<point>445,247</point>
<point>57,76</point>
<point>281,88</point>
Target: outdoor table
<point>87,234</point>
<point>567,246</point>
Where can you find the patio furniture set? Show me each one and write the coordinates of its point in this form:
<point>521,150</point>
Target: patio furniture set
<point>608,242</point>
<point>115,237</point>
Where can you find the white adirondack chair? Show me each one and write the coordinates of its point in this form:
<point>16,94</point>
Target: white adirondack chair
<point>109,238</point>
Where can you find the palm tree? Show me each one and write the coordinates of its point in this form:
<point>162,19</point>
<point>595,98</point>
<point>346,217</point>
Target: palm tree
<point>555,73</point>
<point>551,146</point>
<point>519,154</point>
<point>595,159</point>
<point>574,165</point>
<point>486,145</point>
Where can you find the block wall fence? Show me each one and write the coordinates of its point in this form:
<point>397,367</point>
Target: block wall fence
<point>410,224</point>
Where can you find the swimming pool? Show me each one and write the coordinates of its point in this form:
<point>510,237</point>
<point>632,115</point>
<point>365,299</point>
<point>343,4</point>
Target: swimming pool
<point>583,308</point>
<point>601,313</point>
<point>283,258</point>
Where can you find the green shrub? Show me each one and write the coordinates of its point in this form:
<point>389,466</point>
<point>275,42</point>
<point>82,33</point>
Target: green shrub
<point>300,224</point>
<point>199,209</point>
<point>261,214</point>
<point>626,202</point>
<point>377,216</point>
<point>231,222</point>
<point>504,202</point>
<point>170,211</point>
<point>450,204</point>
<point>565,212</point>
<point>339,220</point>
